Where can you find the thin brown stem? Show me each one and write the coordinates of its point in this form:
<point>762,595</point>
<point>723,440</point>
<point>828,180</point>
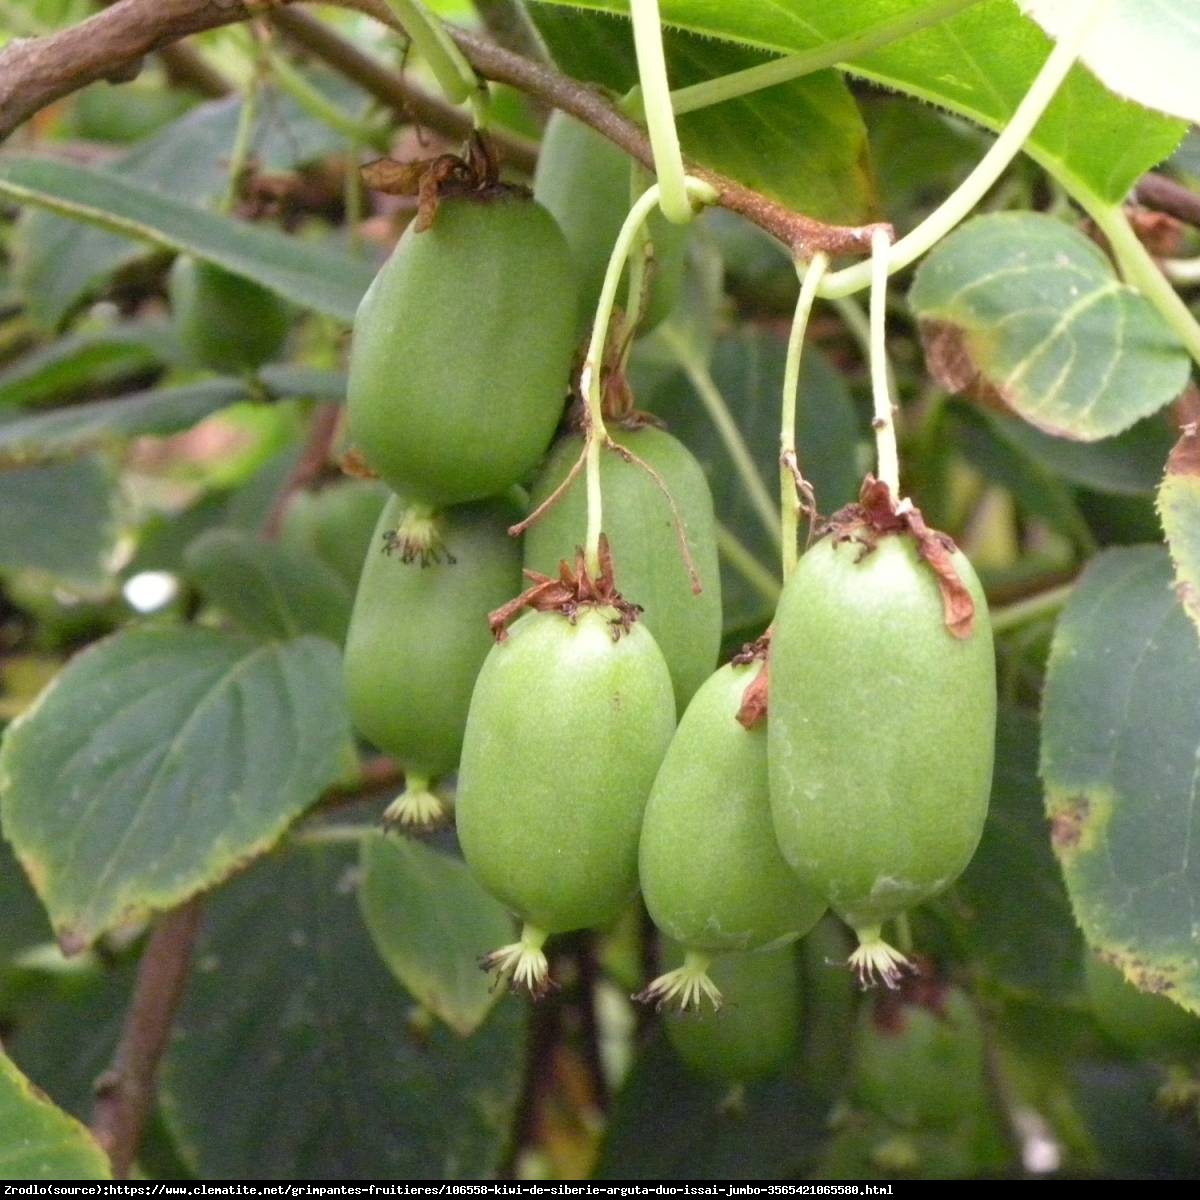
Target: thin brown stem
<point>125,1092</point>
<point>1166,195</point>
<point>189,69</point>
<point>314,458</point>
<point>405,99</point>
<point>34,72</point>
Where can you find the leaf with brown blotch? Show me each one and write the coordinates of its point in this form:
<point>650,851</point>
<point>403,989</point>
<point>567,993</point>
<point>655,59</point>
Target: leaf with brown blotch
<point>1179,511</point>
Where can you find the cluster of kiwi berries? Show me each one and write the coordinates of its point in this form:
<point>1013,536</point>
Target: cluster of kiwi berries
<point>596,749</point>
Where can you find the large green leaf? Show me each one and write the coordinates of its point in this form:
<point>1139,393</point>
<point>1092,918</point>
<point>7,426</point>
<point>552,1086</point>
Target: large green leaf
<point>979,63</point>
<point>60,261</point>
<point>1019,308</point>
<point>304,274</point>
<point>159,761</point>
<point>160,411</point>
<point>803,143</point>
<point>59,518</point>
<point>342,1079</point>
<point>22,921</point>
<point>270,590</point>
<point>39,1141</point>
<point>1010,903</point>
<point>1179,509</point>
<point>85,361</point>
<point>431,921</point>
<point>1147,52</point>
<point>1120,746</point>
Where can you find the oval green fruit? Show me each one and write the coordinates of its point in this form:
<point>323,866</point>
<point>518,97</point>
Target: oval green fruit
<point>337,524</point>
<point>567,728</point>
<point>710,868</point>
<point>919,1056</point>
<point>641,529</point>
<point>419,634</point>
<point>224,322</point>
<point>881,730</point>
<point>461,356</point>
<point>1141,1022</point>
<point>583,181</point>
<point>753,1037</point>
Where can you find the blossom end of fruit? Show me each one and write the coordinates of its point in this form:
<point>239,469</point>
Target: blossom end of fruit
<point>522,965</point>
<point>685,989</point>
<point>874,962</point>
<point>417,810</point>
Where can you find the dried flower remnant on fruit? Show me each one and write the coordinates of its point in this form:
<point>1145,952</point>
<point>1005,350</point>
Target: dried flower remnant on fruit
<point>875,514</point>
<point>573,589</point>
<point>475,173</point>
<point>754,698</point>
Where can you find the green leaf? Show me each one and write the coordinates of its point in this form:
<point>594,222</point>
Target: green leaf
<point>304,274</point>
<point>1179,510</point>
<point>1019,308</point>
<point>39,1141</point>
<point>430,921</point>
<point>1149,53</point>
<point>979,64</point>
<point>1129,464</point>
<point>1121,739</point>
<point>159,411</point>
<point>159,761</point>
<point>62,261</point>
<point>85,361</point>
<point>22,921</point>
<point>802,143</point>
<point>59,518</point>
<point>62,432</point>
<point>1010,903</point>
<point>268,589</point>
<point>348,1082</point>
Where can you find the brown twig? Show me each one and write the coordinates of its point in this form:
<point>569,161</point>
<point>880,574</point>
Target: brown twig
<point>125,1092</point>
<point>184,66</point>
<point>1169,196</point>
<point>34,72</point>
<point>314,457</point>
<point>403,98</point>
<point>801,234</point>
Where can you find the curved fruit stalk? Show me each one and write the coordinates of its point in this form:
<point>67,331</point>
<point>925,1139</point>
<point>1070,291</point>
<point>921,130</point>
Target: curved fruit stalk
<point>757,1035</point>
<point>461,357</point>
<point>642,528</point>
<point>1142,1023</point>
<point>569,722</point>
<point>882,732</point>
<point>224,322</point>
<point>711,872</point>
<point>583,181</point>
<point>337,524</point>
<point>919,1056</point>
<point>418,636</point>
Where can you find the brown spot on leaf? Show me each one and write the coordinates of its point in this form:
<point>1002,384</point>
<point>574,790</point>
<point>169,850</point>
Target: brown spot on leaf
<point>72,942</point>
<point>1185,456</point>
<point>1067,822</point>
<point>952,364</point>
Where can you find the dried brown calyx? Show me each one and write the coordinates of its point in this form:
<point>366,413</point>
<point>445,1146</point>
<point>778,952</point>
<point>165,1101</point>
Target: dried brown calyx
<point>878,514</point>
<point>572,589</point>
<point>754,699</point>
<point>474,173</point>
